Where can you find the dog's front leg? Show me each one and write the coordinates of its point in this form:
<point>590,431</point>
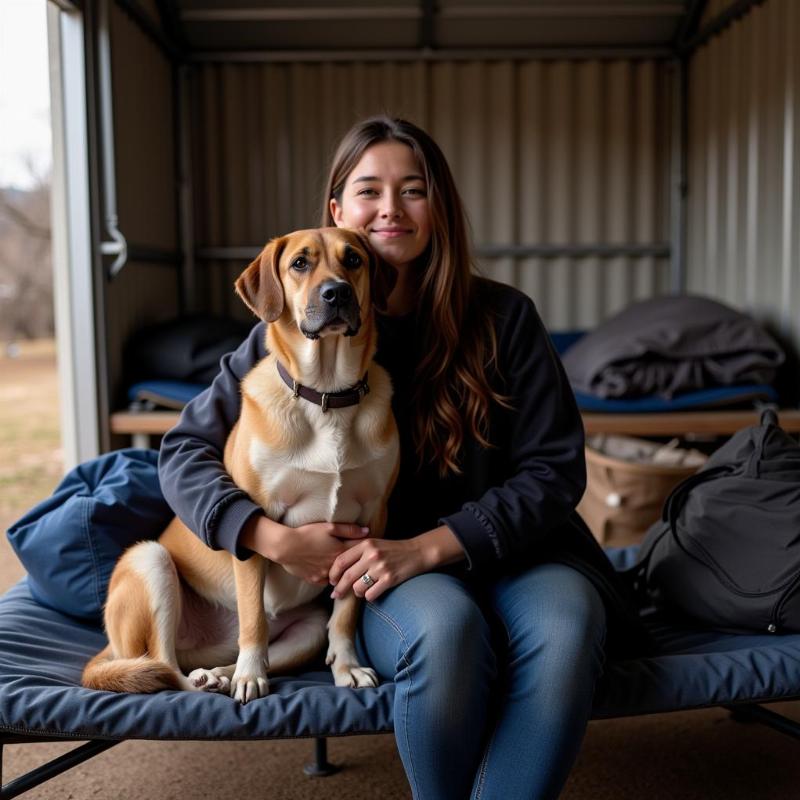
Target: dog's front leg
<point>249,679</point>
<point>342,656</point>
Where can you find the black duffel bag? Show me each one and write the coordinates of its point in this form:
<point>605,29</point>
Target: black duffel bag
<point>184,349</point>
<point>727,550</point>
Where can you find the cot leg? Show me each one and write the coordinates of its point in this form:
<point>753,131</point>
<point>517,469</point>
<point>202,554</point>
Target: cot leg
<point>320,767</point>
<point>51,768</point>
<point>756,713</point>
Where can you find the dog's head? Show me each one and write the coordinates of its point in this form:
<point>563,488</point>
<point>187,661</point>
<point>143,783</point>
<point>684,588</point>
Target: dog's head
<point>324,279</point>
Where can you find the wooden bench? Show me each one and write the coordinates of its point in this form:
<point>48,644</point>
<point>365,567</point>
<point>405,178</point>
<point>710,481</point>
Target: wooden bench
<point>141,425</point>
<point>685,423</point>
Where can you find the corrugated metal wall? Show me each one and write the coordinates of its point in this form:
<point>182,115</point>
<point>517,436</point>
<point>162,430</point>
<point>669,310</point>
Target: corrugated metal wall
<point>744,166</point>
<point>544,152</point>
<point>142,293</point>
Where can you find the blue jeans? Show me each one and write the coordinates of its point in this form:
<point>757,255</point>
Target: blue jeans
<point>493,690</point>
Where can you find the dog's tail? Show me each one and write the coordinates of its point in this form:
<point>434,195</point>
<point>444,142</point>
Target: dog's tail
<point>142,675</point>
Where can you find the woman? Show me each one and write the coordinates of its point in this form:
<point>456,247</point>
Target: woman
<point>488,600</point>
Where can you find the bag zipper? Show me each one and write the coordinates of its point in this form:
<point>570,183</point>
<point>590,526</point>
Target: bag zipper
<point>776,611</point>
<point>720,573</point>
<point>706,559</point>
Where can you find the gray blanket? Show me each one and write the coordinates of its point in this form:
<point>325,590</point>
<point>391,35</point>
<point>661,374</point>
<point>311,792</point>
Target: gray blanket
<point>671,345</point>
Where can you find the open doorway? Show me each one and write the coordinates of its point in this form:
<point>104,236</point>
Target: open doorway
<point>31,455</point>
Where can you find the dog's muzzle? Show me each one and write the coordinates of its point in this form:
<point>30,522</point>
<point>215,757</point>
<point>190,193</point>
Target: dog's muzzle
<point>332,303</point>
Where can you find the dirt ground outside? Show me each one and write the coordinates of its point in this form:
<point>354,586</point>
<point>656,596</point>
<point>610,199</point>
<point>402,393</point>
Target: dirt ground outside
<point>31,460</point>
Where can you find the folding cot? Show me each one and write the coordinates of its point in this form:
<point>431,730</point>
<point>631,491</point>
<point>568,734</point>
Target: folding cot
<point>42,653</point>
<point>69,547</point>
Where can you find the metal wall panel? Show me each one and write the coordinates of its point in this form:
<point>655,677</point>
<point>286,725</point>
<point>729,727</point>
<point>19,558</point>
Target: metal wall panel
<point>143,101</point>
<point>544,152</point>
<point>744,166</point>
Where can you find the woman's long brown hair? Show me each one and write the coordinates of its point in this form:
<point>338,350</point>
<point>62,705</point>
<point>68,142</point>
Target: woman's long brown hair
<point>452,395</point>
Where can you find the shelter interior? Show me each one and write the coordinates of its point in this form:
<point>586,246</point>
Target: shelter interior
<point>606,150</point>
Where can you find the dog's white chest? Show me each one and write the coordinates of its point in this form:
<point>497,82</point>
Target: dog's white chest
<point>331,476</point>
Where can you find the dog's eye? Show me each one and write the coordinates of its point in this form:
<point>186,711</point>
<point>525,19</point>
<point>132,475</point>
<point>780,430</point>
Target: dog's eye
<point>300,264</point>
<point>352,259</point>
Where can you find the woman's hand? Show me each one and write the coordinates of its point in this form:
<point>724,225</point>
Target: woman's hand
<point>391,561</point>
<point>308,551</point>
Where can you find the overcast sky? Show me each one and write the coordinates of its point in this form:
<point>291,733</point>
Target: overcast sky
<point>24,91</point>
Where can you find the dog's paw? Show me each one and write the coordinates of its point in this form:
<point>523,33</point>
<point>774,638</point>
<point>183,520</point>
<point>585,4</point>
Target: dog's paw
<point>354,676</point>
<point>210,680</point>
<point>249,681</point>
<point>245,688</point>
<point>342,660</point>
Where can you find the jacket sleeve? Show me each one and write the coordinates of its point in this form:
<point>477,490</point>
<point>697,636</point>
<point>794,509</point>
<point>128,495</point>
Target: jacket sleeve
<point>190,468</point>
<point>545,457</point>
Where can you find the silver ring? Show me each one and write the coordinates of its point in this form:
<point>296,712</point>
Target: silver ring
<point>367,579</point>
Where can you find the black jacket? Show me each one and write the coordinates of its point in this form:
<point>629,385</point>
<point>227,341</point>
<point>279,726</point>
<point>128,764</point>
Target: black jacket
<point>511,507</point>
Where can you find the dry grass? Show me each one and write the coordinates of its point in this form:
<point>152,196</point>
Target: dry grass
<point>31,462</point>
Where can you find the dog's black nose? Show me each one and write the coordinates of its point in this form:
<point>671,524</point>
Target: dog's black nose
<point>336,293</point>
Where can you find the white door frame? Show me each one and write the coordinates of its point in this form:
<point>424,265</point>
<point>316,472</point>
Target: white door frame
<point>72,238</point>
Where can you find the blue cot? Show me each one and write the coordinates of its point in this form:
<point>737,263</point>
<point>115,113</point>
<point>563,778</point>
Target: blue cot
<point>43,650</point>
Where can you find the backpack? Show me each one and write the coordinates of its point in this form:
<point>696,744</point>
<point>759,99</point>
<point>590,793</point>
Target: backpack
<point>727,550</point>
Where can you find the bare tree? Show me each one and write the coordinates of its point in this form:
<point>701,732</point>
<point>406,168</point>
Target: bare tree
<point>26,275</point>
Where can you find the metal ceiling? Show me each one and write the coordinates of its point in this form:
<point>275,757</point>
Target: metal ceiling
<point>440,26</point>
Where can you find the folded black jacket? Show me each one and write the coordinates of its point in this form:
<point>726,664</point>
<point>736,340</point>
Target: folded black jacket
<point>511,507</point>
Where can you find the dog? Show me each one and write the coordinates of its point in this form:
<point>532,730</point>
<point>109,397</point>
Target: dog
<point>177,607</point>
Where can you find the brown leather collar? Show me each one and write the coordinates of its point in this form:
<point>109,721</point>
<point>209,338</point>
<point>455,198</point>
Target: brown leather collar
<point>348,397</point>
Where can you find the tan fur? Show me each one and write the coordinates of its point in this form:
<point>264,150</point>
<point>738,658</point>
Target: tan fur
<point>253,629</point>
<point>344,622</point>
<point>141,675</point>
<point>292,460</point>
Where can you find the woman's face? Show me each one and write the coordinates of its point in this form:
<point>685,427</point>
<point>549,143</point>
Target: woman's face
<point>386,195</point>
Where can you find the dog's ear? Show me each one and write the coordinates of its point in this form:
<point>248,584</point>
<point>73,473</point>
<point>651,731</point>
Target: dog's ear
<point>382,276</point>
<point>260,285</point>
